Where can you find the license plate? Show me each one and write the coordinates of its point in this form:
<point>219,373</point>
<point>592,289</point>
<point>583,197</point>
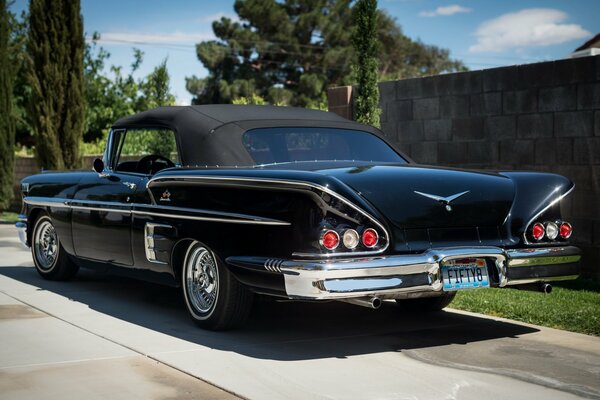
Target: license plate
<point>469,273</point>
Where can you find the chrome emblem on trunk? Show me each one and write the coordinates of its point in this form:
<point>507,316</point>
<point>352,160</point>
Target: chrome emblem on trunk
<point>444,200</point>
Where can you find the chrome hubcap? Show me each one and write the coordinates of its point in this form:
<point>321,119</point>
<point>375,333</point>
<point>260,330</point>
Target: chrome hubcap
<point>46,245</point>
<point>202,279</point>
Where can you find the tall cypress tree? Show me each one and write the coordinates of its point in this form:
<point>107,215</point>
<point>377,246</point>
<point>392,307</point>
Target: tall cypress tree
<point>56,47</point>
<point>7,125</point>
<point>364,39</point>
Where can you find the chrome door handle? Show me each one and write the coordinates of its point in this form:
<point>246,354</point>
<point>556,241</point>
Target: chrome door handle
<point>130,185</point>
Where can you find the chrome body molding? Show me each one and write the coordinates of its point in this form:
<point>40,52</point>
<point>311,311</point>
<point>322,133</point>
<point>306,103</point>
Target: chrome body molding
<point>543,210</point>
<point>200,178</point>
<point>399,276</point>
<point>21,226</point>
<point>208,215</point>
<point>149,241</point>
<point>152,210</point>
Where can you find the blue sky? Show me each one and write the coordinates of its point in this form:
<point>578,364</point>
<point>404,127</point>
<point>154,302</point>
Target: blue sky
<point>482,33</point>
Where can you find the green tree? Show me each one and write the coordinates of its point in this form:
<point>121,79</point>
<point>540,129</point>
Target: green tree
<point>57,111</point>
<point>156,92</point>
<point>365,44</point>
<point>7,125</point>
<point>290,51</point>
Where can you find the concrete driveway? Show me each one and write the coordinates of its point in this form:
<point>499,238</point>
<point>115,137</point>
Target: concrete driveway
<point>108,337</point>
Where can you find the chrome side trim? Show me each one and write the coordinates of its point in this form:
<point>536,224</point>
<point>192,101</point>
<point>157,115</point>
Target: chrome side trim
<point>219,216</point>
<point>101,209</point>
<point>553,202</point>
<point>47,202</point>
<point>213,219</point>
<point>149,241</point>
<point>288,182</point>
<point>109,206</point>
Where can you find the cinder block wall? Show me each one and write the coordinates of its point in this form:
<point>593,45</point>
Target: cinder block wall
<point>536,117</point>
<point>541,117</point>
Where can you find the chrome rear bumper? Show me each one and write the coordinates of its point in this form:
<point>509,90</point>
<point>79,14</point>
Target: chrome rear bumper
<point>420,274</point>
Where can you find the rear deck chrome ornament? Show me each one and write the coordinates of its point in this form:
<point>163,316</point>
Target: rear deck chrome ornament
<point>444,200</point>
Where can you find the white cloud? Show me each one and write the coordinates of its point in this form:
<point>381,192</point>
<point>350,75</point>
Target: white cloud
<point>218,16</point>
<point>152,38</point>
<point>446,11</point>
<point>526,28</point>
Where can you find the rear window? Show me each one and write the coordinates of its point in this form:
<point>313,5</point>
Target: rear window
<point>279,145</point>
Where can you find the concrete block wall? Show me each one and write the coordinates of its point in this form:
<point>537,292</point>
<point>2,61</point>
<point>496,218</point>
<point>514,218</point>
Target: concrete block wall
<point>540,117</point>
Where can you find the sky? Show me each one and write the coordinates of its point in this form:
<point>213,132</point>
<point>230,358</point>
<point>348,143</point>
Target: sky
<point>481,33</point>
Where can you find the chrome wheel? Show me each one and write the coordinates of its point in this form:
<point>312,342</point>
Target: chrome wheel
<point>46,245</point>
<point>202,279</point>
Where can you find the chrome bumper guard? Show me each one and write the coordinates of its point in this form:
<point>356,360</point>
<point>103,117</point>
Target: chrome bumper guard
<point>395,276</point>
<point>22,229</point>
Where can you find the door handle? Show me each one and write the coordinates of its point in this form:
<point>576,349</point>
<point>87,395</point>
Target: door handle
<point>130,185</point>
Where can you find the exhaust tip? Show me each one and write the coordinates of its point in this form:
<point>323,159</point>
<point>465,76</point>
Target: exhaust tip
<point>546,288</point>
<point>376,302</point>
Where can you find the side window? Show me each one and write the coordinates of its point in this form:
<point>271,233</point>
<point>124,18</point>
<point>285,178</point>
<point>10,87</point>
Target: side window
<point>146,151</point>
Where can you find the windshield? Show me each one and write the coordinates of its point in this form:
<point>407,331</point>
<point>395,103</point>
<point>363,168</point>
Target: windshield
<point>280,145</point>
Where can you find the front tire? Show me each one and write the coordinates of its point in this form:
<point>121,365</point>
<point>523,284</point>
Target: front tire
<point>426,304</point>
<point>49,257</point>
<point>214,298</point>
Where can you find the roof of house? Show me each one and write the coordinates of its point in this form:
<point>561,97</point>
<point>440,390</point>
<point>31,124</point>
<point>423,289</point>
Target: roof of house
<point>593,42</point>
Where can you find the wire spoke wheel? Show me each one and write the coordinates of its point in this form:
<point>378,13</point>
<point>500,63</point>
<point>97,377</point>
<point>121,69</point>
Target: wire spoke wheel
<point>202,279</point>
<point>46,245</point>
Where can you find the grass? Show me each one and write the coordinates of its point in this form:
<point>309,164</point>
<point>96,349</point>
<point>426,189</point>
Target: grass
<point>8,217</point>
<point>572,305</point>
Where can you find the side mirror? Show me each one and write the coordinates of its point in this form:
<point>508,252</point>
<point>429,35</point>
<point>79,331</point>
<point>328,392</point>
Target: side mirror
<point>98,166</point>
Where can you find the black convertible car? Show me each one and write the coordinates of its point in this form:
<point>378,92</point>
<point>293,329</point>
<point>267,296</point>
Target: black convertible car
<point>229,201</point>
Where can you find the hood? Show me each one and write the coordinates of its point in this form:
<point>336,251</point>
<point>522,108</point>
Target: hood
<point>427,197</point>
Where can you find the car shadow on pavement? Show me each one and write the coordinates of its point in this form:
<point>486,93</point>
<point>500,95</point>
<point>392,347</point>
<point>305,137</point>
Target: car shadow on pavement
<point>279,330</point>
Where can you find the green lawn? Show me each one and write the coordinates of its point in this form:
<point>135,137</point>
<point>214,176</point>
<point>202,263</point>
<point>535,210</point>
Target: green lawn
<point>572,305</point>
<point>8,217</point>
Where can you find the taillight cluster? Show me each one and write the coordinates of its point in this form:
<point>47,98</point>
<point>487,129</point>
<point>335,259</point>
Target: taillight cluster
<point>350,239</point>
<point>551,230</point>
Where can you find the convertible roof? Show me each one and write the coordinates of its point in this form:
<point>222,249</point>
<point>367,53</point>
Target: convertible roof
<point>211,134</point>
<point>207,117</point>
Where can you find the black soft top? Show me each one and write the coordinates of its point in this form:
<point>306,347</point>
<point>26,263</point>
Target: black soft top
<point>212,134</point>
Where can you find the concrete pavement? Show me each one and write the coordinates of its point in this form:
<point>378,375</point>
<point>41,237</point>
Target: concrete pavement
<point>115,337</point>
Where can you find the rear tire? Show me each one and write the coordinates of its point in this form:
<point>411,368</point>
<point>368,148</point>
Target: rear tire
<point>50,259</point>
<point>214,298</point>
<point>426,304</point>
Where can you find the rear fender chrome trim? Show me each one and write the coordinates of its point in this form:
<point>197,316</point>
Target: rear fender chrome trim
<point>543,210</point>
<point>208,179</point>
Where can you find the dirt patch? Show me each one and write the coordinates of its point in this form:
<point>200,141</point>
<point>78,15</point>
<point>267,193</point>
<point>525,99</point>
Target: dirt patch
<point>19,311</point>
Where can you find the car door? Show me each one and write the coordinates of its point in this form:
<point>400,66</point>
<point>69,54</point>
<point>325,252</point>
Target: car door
<point>101,217</point>
<point>102,207</point>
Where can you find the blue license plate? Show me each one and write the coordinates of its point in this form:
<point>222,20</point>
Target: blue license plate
<point>469,273</point>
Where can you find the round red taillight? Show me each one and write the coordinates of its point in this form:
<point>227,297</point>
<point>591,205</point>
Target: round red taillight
<point>370,238</point>
<point>566,230</point>
<point>538,231</point>
<point>330,240</point>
